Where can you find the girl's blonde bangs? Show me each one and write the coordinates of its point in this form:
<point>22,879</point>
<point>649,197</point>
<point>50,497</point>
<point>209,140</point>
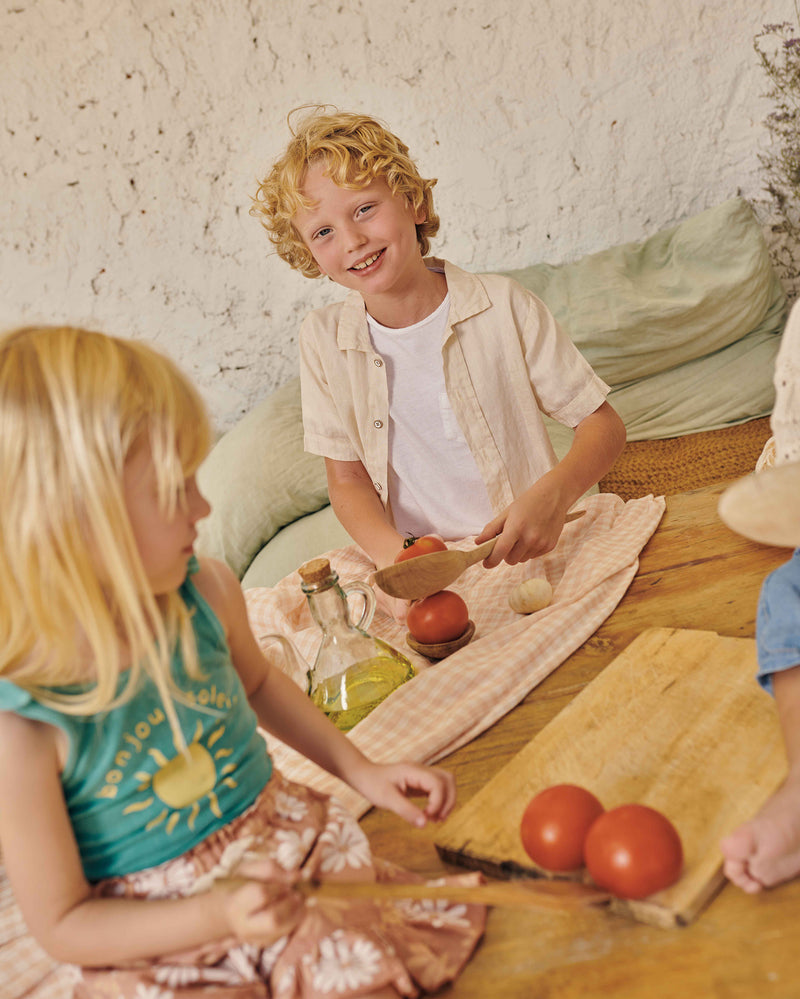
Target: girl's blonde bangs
<point>173,421</point>
<point>73,404</point>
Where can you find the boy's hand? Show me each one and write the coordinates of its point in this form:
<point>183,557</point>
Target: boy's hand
<point>529,527</point>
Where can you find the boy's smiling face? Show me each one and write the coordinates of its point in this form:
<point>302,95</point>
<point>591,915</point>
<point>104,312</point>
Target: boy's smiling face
<point>362,239</point>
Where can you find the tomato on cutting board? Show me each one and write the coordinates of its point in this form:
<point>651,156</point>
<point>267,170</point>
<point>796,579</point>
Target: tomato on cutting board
<point>420,546</point>
<point>555,824</point>
<point>441,617</point>
<point>633,851</point>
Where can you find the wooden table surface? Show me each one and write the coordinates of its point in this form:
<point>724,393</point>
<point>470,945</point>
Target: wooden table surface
<point>694,573</point>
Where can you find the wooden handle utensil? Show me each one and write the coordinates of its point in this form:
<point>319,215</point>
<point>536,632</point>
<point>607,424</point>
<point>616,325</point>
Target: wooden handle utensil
<point>419,577</point>
<point>525,893</point>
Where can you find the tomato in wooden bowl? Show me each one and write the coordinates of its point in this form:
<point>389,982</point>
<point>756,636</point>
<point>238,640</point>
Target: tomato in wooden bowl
<point>441,617</point>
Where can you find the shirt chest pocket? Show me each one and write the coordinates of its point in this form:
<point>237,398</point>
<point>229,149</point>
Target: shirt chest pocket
<point>450,427</point>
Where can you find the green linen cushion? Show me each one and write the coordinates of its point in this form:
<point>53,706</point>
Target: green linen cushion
<point>306,538</point>
<point>730,386</point>
<point>641,308</point>
<point>257,479</point>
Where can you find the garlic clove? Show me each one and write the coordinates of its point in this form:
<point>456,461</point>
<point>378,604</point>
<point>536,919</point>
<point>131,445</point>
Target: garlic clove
<point>530,595</point>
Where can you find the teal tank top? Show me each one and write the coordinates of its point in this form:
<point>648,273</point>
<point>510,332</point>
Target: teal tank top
<point>133,799</point>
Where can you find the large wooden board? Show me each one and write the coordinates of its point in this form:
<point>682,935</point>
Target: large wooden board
<point>677,722</point>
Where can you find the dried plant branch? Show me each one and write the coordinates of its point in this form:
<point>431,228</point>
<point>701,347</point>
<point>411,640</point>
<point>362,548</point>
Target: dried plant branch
<point>778,49</point>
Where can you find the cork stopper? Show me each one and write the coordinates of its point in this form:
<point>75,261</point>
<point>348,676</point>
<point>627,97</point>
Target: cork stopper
<point>315,571</point>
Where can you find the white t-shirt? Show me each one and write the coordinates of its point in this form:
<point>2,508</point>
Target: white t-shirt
<point>434,481</point>
<point>506,362</point>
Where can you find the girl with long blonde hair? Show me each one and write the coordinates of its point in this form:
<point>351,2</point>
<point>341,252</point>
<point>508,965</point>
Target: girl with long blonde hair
<point>134,779</point>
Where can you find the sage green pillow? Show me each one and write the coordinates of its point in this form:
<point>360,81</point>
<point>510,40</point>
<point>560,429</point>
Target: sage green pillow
<point>730,386</point>
<point>257,479</point>
<point>642,308</point>
<point>304,539</point>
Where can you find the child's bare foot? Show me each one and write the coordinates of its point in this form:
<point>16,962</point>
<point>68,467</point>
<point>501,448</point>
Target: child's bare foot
<point>766,850</point>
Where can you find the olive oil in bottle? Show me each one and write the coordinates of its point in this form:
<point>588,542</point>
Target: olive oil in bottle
<point>353,671</point>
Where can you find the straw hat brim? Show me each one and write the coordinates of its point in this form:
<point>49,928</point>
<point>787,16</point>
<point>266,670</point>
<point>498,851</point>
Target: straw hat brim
<point>765,506</point>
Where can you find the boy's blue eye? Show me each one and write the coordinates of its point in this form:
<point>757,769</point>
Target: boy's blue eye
<point>364,208</point>
<point>322,232</point>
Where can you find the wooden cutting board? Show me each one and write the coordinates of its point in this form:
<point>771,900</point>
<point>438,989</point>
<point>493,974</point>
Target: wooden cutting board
<point>678,722</point>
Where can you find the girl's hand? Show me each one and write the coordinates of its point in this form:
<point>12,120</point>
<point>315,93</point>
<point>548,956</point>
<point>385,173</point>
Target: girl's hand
<point>390,785</point>
<point>264,909</point>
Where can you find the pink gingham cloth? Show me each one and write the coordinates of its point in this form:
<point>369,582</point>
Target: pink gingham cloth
<point>25,970</point>
<point>451,701</point>
<point>448,703</point>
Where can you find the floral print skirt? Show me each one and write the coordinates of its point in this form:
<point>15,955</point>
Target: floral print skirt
<point>341,948</point>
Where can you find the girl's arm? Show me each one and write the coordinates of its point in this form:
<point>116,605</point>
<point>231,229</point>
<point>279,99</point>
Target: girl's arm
<point>532,524</point>
<point>45,871</point>
<point>287,712</point>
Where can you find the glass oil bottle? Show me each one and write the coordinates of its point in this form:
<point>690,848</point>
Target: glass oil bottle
<point>353,671</point>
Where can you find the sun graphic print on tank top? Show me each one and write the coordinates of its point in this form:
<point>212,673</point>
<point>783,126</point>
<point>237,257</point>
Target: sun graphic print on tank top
<point>134,799</point>
<point>184,783</point>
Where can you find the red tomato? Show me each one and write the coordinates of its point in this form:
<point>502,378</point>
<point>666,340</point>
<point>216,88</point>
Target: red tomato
<point>441,617</point>
<point>555,824</point>
<point>633,851</point>
<point>420,546</point>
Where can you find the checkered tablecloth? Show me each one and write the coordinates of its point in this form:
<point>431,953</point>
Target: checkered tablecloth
<point>449,702</point>
<point>26,972</point>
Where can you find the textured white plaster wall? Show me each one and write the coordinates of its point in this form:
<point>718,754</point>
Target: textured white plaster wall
<point>133,132</point>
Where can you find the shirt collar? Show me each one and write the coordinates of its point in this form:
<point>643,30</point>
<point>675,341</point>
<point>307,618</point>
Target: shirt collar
<point>468,297</point>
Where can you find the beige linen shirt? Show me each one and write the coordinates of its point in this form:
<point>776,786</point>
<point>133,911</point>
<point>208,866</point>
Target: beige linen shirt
<point>506,361</point>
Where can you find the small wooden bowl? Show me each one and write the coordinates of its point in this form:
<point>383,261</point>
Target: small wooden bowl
<point>439,650</point>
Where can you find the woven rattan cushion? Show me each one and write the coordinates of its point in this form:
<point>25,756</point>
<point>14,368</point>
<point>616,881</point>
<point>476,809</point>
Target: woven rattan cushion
<point>676,464</point>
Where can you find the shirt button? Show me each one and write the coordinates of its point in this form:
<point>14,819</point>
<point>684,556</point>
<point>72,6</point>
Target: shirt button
<point>378,487</point>
<point>377,362</point>
<point>378,424</point>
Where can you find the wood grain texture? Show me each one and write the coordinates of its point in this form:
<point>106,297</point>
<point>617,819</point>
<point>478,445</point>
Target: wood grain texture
<point>694,573</point>
<point>655,728</point>
<point>520,894</point>
<point>423,575</point>
<point>440,650</point>
<point>523,893</point>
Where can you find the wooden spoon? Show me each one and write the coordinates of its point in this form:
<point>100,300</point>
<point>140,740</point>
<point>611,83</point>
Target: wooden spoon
<point>527,893</point>
<point>419,577</point>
